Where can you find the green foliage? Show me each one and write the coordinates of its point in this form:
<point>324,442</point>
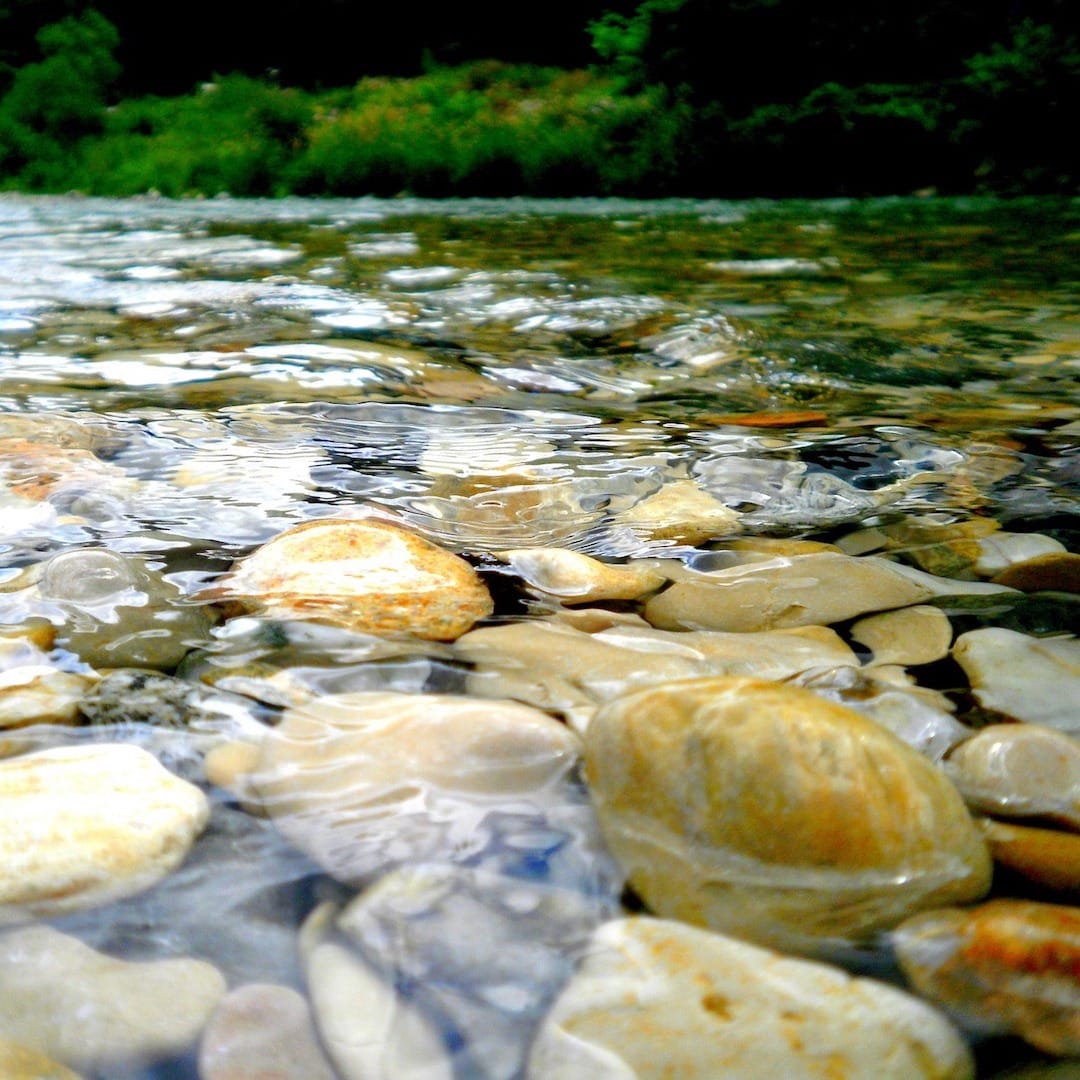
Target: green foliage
<point>53,104</point>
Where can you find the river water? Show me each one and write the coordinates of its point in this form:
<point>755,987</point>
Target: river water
<point>182,381</point>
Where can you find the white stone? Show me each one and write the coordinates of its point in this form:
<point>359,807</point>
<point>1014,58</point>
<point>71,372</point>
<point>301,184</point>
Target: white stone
<point>655,999</point>
<point>96,1013</point>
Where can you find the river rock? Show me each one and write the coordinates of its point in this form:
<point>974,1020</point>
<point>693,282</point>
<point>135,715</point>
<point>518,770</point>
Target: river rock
<point>1020,770</point>
<point>1023,677</point>
<point>484,952</point>
<point>680,511</point>
<point>1001,550</point>
<point>369,1030</point>
<point>367,781</point>
<point>87,825</point>
<point>556,667</point>
<point>364,575</point>
<point>920,716</point>
<point>763,810</point>
<point>1003,967</point>
<point>813,589</point>
<point>19,1063</point>
<point>96,1013</point>
<point>654,998</point>
<point>579,579</point>
<point>33,690</point>
<point>262,1031</point>
<point>1049,858</point>
<point>912,635</point>
<point>1050,573</point>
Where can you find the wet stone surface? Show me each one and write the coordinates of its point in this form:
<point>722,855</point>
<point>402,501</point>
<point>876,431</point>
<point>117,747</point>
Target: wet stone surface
<point>464,640</point>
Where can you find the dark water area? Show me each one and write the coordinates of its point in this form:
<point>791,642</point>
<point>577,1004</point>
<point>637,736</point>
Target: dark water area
<point>180,382</point>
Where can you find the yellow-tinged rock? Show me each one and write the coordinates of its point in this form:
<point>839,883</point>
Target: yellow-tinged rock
<point>654,999</point>
<point>361,574</point>
<point>763,810</point>
<point>1005,967</point>
<point>20,1063</point>
<point>87,825</point>
<point>1047,857</point>
<point>580,579</point>
<point>913,635</point>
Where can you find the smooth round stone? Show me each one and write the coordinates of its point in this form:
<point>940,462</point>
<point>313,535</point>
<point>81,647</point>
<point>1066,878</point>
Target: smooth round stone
<point>680,511</point>
<point>654,998</point>
<point>94,1012</point>
<point>1036,680</point>
<point>115,611</point>
<point>803,590</point>
<point>363,782</point>
<point>33,690</point>
<point>1001,550</point>
<point>912,635</point>
<point>364,575</point>
<point>577,578</point>
<point>1043,573</point>
<point>262,1031</point>
<point>1047,857</point>
<point>87,825</point>
<point>556,667</point>
<point>766,811</point>
<point>1020,770</point>
<point>369,1030</point>
<point>1003,967</point>
<point>485,952</point>
<point>19,1063</point>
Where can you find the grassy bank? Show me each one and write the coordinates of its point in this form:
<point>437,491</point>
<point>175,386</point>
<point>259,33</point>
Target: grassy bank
<point>480,129</point>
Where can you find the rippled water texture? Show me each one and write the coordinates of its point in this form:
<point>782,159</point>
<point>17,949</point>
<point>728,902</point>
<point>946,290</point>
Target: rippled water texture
<point>182,381</point>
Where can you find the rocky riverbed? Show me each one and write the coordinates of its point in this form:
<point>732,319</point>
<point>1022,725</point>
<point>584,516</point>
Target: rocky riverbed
<point>438,642</point>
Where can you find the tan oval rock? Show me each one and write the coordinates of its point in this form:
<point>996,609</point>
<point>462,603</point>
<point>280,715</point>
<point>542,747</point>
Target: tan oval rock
<point>1048,857</point>
<point>96,1013</point>
<point>88,825</point>
<point>656,999</point>
<point>1052,573</point>
<point>557,667</point>
<point>787,591</point>
<point>362,574</point>
<point>912,635</point>
<point>366,781</point>
<point>763,810</point>
<point>580,579</point>
<point>680,511</point>
<point>1006,966</point>
<point>1020,770</point>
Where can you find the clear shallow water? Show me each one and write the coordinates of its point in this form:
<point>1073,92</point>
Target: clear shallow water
<point>182,381</point>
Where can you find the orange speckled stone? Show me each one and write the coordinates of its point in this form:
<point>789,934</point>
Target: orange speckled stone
<point>763,810</point>
<point>365,575</point>
<point>1007,966</point>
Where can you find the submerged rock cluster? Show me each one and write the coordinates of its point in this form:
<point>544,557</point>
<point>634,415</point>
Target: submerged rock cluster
<point>638,829</point>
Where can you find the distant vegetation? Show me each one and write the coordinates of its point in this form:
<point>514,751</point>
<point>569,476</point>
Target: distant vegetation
<point>688,97</point>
